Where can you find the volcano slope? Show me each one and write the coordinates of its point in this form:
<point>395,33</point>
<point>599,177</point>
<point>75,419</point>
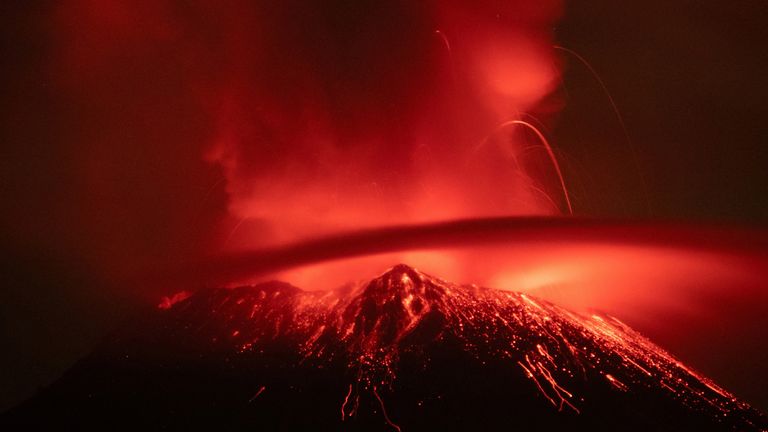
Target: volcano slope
<point>405,351</point>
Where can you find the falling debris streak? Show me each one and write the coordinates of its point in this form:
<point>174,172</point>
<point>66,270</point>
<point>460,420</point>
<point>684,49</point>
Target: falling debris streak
<point>449,50</point>
<point>384,410</point>
<point>260,391</point>
<point>618,384</point>
<point>344,404</point>
<point>547,147</point>
<point>618,115</point>
<point>550,154</point>
<point>445,40</point>
<point>530,375</point>
<point>370,327</point>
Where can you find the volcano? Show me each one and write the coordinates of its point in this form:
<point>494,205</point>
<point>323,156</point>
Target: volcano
<point>404,351</point>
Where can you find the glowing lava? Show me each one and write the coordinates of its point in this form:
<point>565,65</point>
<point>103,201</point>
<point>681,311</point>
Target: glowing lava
<point>405,351</point>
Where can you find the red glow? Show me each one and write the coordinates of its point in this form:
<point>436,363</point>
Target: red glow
<point>316,120</point>
<point>168,301</point>
<point>371,326</point>
<point>220,130</point>
<point>318,152</point>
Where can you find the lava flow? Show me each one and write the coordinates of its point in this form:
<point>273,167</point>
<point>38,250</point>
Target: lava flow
<point>405,351</point>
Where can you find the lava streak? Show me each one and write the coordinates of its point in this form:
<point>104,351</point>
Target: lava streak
<point>403,351</point>
<point>689,287</point>
<point>405,316</point>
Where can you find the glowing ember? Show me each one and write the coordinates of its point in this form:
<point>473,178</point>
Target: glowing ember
<point>168,301</point>
<point>405,351</point>
<point>555,348</point>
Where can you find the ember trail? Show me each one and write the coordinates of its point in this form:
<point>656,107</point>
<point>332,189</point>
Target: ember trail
<point>404,351</point>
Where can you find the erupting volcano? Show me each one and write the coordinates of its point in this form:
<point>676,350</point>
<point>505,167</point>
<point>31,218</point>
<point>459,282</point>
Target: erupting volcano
<point>561,163</point>
<point>404,351</point>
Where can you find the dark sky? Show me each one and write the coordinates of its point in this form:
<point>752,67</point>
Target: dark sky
<point>689,80</point>
<point>686,76</point>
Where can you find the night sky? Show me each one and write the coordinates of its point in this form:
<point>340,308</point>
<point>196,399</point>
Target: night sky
<point>687,78</point>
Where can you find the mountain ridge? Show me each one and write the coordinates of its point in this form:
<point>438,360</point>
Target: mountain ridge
<point>405,350</point>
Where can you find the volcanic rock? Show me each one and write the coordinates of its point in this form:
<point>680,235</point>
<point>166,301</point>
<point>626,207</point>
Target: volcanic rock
<point>405,351</point>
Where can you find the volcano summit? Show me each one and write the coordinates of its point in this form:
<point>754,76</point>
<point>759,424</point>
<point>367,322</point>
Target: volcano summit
<point>405,351</point>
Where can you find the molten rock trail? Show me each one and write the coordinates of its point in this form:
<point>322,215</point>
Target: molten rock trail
<point>405,351</point>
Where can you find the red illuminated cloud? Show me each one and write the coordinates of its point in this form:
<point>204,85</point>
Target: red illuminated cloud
<point>319,115</point>
<point>328,118</point>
